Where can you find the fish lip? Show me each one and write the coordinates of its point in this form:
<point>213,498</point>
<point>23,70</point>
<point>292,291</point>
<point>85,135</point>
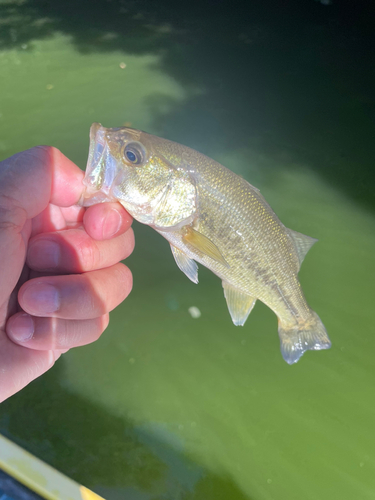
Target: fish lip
<point>93,130</point>
<point>91,164</point>
<point>95,140</point>
<point>89,198</point>
<point>92,195</point>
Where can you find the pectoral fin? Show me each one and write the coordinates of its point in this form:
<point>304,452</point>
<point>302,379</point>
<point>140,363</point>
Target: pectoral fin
<point>203,244</point>
<point>240,305</point>
<point>187,265</point>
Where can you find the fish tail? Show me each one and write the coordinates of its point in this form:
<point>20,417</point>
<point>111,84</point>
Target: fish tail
<point>297,339</point>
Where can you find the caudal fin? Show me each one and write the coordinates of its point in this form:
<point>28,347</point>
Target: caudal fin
<point>295,340</point>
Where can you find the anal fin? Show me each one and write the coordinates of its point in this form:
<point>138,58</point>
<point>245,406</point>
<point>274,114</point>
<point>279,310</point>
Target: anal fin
<point>239,304</point>
<point>187,265</point>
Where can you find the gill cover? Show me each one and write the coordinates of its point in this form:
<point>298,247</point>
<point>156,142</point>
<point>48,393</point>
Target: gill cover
<point>149,186</point>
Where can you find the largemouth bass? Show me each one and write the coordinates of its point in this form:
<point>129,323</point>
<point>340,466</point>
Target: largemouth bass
<point>212,216</point>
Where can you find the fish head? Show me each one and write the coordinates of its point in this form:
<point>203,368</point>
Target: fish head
<point>136,169</point>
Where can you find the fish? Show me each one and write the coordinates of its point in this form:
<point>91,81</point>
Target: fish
<point>213,217</point>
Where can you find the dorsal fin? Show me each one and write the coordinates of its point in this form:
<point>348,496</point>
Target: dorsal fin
<point>302,243</point>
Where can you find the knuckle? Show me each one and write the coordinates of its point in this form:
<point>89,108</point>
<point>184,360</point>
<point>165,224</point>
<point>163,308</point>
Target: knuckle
<point>103,322</point>
<point>64,338</point>
<point>89,254</point>
<point>125,281</point>
<point>130,242</point>
<point>12,215</point>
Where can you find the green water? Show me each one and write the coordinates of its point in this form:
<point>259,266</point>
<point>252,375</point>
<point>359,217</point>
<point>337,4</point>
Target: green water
<point>164,405</point>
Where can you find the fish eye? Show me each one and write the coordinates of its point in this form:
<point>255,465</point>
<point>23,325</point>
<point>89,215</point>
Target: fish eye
<point>134,153</point>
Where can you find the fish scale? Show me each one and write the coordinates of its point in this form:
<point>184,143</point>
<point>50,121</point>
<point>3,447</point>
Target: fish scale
<point>258,227</point>
<point>211,216</point>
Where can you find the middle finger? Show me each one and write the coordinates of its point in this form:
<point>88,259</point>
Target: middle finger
<point>74,251</point>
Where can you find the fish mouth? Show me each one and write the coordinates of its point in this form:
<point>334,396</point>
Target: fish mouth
<point>100,169</point>
<point>94,129</point>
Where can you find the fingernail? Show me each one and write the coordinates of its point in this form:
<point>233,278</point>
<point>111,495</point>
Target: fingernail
<point>44,254</point>
<point>111,223</point>
<point>21,328</point>
<point>41,298</point>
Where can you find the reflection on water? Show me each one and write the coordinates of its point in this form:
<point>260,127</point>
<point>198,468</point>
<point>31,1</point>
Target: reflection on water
<point>171,406</point>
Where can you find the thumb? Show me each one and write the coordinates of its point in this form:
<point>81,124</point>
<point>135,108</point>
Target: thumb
<point>29,181</point>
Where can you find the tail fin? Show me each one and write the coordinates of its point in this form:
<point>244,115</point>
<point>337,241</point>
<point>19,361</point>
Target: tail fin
<point>296,340</point>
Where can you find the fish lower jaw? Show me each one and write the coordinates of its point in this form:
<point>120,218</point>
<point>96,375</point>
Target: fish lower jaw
<point>139,213</point>
<point>91,197</point>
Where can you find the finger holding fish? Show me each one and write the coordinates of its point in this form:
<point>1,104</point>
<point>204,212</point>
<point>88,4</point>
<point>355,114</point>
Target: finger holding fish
<point>40,189</point>
<point>74,251</point>
<point>106,220</point>
<point>101,221</point>
<point>76,305</point>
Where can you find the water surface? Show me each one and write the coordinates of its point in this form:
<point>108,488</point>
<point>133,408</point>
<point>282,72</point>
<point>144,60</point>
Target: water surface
<point>164,405</point>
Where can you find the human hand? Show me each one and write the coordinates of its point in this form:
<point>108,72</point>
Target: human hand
<point>59,264</point>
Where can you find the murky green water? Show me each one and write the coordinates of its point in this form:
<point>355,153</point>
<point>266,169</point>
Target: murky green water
<point>164,405</point>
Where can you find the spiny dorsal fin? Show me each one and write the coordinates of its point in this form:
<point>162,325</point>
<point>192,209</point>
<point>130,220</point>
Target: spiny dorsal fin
<point>187,265</point>
<point>302,243</point>
<point>239,304</point>
<point>203,244</point>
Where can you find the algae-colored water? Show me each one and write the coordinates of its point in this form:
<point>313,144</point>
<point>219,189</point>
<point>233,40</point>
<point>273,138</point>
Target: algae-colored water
<point>164,405</point>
